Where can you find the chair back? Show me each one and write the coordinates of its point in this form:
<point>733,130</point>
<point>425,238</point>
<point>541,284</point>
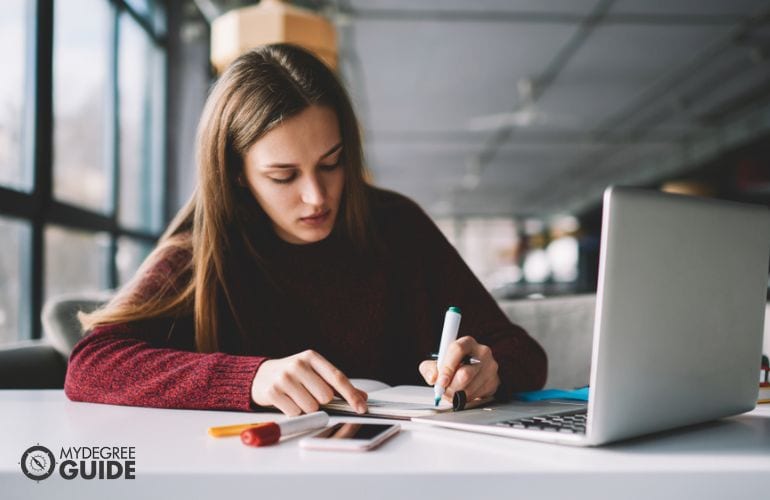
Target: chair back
<point>61,327</point>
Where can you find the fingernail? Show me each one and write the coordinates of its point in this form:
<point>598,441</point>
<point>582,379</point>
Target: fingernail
<point>442,381</point>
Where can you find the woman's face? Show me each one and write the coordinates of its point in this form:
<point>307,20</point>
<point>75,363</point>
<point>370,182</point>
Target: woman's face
<point>295,173</point>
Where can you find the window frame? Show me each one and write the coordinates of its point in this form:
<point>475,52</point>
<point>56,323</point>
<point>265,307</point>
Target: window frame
<point>38,207</point>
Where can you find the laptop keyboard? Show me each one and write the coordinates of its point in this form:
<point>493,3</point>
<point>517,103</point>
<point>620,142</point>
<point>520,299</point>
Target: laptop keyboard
<point>572,422</point>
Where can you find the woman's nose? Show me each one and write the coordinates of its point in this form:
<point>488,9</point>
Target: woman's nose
<point>313,191</point>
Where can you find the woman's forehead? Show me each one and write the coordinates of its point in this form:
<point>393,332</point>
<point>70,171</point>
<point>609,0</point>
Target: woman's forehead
<point>307,135</point>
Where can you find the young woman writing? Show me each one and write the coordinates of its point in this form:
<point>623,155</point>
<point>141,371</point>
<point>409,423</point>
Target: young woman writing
<point>286,273</point>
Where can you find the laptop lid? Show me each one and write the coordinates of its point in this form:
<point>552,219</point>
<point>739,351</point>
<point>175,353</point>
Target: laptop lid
<point>680,310</point>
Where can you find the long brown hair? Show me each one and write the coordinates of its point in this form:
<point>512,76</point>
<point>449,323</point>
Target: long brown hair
<point>222,220</point>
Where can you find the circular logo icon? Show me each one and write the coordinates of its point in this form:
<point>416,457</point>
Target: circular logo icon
<point>37,463</point>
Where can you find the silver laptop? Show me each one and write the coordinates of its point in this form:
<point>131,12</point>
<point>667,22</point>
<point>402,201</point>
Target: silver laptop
<point>678,330</point>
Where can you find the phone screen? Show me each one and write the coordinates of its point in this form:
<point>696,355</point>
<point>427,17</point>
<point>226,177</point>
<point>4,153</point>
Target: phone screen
<point>353,431</point>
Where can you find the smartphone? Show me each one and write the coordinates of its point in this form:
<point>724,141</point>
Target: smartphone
<point>350,437</point>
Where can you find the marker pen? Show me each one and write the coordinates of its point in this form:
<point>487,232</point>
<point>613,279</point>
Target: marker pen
<point>270,432</point>
<point>448,335</point>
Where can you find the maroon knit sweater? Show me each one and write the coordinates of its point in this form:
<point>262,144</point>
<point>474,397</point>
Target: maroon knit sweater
<point>372,317</point>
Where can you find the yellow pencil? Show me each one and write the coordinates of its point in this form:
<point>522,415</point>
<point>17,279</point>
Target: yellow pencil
<point>231,430</point>
<point>293,425</point>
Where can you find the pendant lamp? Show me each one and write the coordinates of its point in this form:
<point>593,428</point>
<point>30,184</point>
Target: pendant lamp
<point>271,21</point>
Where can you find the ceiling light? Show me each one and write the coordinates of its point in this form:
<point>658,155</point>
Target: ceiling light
<point>271,21</point>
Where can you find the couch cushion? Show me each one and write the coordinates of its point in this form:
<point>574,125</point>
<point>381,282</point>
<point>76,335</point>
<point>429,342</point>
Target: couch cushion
<point>32,364</point>
<point>61,327</point>
<point>564,327</point>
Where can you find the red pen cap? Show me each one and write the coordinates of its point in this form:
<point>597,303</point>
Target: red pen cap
<point>261,435</point>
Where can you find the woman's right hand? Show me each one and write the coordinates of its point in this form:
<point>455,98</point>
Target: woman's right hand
<point>300,383</point>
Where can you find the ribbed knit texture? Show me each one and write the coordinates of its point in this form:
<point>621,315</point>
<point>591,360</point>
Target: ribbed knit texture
<point>372,318</point>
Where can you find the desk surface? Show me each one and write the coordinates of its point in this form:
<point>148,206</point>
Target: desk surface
<point>175,456</point>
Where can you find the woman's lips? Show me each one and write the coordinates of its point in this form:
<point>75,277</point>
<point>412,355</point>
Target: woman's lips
<point>317,220</point>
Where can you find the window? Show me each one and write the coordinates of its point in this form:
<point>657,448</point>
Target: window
<point>81,157</point>
<point>140,104</point>
<point>81,149</point>
<point>75,261</point>
<point>131,254</point>
<point>15,171</point>
<point>488,245</point>
<point>14,280</point>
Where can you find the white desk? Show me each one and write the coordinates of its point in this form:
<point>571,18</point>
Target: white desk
<point>175,458</point>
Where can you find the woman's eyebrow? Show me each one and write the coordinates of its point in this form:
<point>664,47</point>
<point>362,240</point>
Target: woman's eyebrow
<point>333,150</point>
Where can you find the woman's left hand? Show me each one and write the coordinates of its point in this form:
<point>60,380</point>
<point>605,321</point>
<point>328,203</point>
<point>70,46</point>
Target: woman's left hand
<point>477,380</point>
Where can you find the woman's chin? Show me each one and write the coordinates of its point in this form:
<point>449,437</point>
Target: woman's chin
<point>306,236</point>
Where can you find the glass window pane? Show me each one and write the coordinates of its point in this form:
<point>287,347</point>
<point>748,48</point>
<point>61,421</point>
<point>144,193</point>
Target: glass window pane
<point>490,247</point>
<point>140,88</point>
<point>131,254</point>
<point>14,172</point>
<point>15,296</point>
<point>152,12</point>
<point>81,156</point>
<point>144,8</point>
<point>75,261</point>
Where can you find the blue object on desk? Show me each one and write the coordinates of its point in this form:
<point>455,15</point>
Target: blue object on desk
<point>580,394</point>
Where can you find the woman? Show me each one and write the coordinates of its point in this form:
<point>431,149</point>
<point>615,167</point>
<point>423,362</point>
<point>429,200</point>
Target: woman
<point>286,273</point>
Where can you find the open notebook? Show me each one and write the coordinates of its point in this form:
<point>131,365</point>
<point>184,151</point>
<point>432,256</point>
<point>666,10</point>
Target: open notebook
<point>400,402</point>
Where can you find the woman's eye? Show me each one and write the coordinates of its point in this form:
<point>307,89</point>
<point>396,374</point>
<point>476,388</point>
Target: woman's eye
<point>325,168</point>
<point>331,167</point>
<point>284,180</point>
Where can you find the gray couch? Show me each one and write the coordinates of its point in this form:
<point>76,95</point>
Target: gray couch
<point>42,364</point>
<point>563,325</point>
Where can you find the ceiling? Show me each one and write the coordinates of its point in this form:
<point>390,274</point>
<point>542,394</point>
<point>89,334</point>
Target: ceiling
<point>532,107</point>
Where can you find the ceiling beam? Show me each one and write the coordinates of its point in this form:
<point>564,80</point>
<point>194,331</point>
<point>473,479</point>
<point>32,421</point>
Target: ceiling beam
<point>530,17</point>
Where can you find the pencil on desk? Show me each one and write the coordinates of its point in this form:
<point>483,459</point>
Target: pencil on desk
<point>231,430</point>
<point>269,432</point>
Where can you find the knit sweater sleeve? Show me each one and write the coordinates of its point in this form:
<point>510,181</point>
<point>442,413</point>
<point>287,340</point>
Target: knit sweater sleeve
<point>138,364</point>
<point>450,282</point>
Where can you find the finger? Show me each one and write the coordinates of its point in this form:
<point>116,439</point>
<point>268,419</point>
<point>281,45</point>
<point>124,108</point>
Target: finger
<point>315,385</point>
<point>453,358</point>
<point>487,376</point>
<point>475,388</point>
<point>485,385</point>
<point>286,405</point>
<point>298,393</point>
<point>364,395</point>
<point>339,382</point>
<point>489,388</point>
<point>480,386</point>
<point>428,371</point>
<point>464,376</point>
<point>482,352</point>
